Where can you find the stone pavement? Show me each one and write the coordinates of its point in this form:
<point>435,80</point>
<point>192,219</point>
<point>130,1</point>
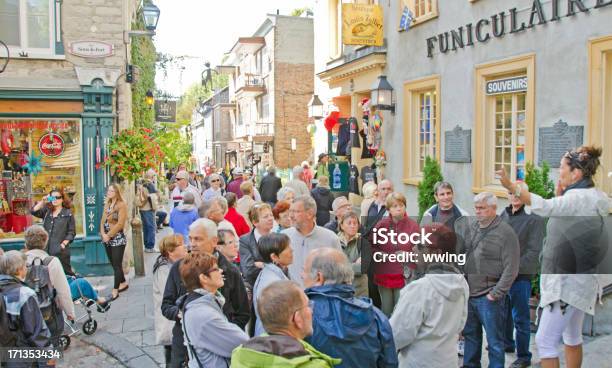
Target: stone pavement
<point>125,335</point>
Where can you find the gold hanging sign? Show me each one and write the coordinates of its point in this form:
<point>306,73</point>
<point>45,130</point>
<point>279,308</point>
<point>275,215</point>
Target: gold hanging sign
<point>362,24</point>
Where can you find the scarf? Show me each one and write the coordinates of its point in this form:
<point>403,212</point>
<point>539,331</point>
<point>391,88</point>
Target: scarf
<point>584,183</point>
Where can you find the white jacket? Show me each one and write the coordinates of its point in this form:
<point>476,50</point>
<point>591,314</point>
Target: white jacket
<point>163,326</point>
<point>58,280</point>
<point>580,290</point>
<point>427,320</point>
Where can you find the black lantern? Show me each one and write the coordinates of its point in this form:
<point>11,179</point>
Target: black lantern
<point>315,108</point>
<point>149,99</point>
<point>381,95</point>
<point>150,13</point>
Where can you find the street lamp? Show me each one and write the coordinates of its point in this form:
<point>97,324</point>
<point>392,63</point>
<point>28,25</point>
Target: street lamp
<point>149,98</point>
<point>150,13</point>
<point>315,108</point>
<point>382,95</point>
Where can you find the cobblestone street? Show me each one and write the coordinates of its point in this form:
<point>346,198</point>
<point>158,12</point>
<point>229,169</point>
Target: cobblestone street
<point>125,335</point>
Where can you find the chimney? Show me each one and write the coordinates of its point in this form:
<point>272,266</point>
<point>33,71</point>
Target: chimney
<point>277,12</point>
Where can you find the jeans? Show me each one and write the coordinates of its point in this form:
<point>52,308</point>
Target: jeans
<point>491,315</point>
<point>388,299</point>
<point>160,218</point>
<point>148,229</point>
<point>86,289</point>
<point>517,316</point>
<point>115,257</point>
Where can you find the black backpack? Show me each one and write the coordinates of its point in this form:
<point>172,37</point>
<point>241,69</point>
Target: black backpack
<point>38,279</point>
<point>8,335</point>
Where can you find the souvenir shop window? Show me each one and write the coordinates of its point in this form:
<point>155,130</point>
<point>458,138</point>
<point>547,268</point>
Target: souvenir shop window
<point>37,156</point>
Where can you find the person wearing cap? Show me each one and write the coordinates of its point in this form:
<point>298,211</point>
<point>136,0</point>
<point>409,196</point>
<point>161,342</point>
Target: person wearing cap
<point>340,206</point>
<point>269,186</point>
<point>322,169</point>
<point>234,185</point>
<point>432,310</point>
<point>182,185</point>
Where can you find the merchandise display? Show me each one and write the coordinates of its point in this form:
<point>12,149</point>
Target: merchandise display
<point>35,158</point>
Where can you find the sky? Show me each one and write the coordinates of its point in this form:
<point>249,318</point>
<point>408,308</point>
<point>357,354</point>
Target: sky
<point>205,30</point>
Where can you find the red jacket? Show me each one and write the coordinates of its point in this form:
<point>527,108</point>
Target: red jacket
<point>391,274</point>
<point>238,221</point>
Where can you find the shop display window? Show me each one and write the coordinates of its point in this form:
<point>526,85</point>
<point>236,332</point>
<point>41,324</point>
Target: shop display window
<point>510,134</point>
<point>37,156</point>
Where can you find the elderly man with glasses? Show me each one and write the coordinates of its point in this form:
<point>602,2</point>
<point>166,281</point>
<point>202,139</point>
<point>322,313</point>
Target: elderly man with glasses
<point>215,189</point>
<point>182,185</point>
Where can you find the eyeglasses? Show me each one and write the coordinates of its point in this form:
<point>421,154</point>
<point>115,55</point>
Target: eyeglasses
<point>215,181</point>
<point>214,269</point>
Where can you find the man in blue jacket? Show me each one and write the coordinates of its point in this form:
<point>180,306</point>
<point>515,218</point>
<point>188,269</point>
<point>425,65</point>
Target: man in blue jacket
<point>345,326</point>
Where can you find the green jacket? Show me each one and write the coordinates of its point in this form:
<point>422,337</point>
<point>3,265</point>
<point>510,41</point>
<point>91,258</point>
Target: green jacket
<point>322,170</point>
<point>279,351</point>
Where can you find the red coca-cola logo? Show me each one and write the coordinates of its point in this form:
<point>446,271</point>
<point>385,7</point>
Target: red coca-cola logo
<point>51,145</point>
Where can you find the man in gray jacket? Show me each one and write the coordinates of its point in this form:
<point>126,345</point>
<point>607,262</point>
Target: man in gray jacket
<point>492,259</point>
<point>529,229</point>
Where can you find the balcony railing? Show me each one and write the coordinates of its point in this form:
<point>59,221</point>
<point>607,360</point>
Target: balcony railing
<point>264,129</point>
<point>252,83</point>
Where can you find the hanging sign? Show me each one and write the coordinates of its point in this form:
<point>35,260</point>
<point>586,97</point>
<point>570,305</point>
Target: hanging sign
<point>51,145</point>
<point>508,85</point>
<point>91,49</point>
<point>362,24</point>
<point>165,111</point>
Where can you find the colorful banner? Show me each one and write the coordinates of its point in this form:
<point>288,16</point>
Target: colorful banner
<point>362,24</point>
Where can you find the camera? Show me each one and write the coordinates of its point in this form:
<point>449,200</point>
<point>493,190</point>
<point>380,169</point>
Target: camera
<point>50,198</point>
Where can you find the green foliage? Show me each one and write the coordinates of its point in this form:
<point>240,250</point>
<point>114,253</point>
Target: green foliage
<point>299,11</point>
<point>431,175</point>
<point>539,181</point>
<point>176,147</point>
<point>143,58</point>
<point>132,152</point>
<point>195,94</point>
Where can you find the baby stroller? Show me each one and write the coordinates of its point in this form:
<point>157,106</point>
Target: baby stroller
<point>89,326</point>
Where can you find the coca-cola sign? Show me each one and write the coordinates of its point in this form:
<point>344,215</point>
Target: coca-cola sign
<point>51,145</point>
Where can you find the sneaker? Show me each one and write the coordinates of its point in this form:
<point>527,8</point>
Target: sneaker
<point>520,364</point>
<point>460,347</point>
<point>103,307</point>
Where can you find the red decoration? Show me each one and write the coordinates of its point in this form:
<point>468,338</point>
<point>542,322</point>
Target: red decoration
<point>51,145</point>
<point>6,141</point>
<point>331,120</point>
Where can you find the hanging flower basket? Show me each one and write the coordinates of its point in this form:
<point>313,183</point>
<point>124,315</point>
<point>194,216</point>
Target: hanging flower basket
<point>132,152</point>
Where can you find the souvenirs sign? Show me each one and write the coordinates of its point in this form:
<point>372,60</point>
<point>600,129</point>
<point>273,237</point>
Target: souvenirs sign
<point>51,145</point>
<point>362,24</point>
<point>508,85</point>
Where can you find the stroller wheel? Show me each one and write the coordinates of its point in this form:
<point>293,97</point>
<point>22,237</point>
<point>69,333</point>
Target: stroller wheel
<point>90,326</point>
<point>64,342</point>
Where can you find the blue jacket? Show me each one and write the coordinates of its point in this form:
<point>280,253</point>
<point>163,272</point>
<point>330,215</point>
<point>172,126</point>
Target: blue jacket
<point>181,217</point>
<point>350,328</point>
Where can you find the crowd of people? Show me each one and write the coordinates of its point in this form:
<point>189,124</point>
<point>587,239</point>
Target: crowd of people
<point>285,276</point>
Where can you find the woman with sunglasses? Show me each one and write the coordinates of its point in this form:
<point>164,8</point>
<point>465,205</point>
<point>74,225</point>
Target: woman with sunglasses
<point>210,337</point>
<point>215,189</point>
<point>54,210</point>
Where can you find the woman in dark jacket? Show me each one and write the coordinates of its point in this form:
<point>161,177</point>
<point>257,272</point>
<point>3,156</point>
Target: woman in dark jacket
<point>324,199</point>
<point>58,220</point>
<point>112,224</point>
